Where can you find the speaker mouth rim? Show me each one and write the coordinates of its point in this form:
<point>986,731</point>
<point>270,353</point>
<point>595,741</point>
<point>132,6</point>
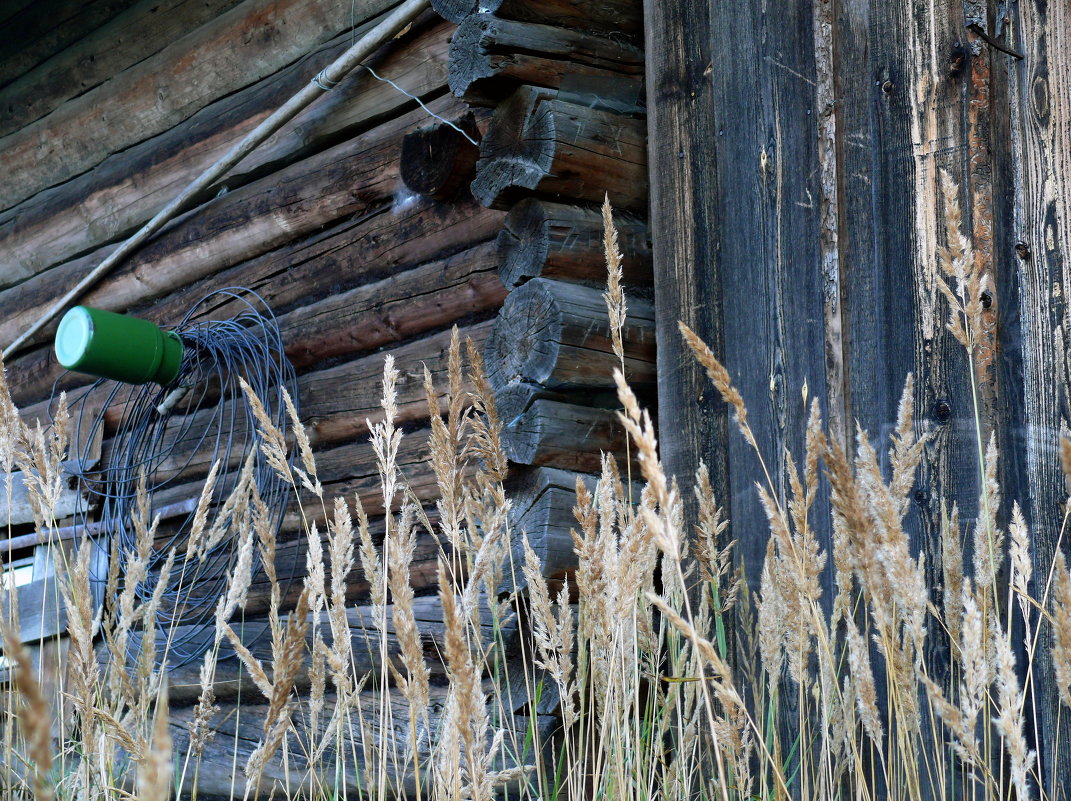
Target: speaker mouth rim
<point>73,337</point>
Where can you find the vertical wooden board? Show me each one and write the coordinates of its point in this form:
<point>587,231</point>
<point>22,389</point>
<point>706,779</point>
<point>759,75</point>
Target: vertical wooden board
<point>1040,131</point>
<point>901,120</point>
<point>769,254</point>
<point>683,190</point>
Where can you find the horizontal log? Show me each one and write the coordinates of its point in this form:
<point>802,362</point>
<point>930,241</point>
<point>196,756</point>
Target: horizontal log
<point>440,160</point>
<point>555,434</point>
<point>365,645</point>
<point>370,249</point>
<point>289,774</point>
<point>606,16</point>
<point>350,179</point>
<point>395,308</point>
<point>490,57</point>
<point>538,142</point>
<point>42,611</point>
<point>166,89</point>
<point>45,29</point>
<point>127,188</point>
<point>557,335</point>
<point>550,240</point>
<point>337,402</point>
<point>543,500</point>
<point>136,32</point>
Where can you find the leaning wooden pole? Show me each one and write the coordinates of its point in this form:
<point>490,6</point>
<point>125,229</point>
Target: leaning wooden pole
<point>327,78</point>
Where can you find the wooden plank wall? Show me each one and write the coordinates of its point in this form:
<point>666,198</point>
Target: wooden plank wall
<point>356,223</point>
<point>796,157</point>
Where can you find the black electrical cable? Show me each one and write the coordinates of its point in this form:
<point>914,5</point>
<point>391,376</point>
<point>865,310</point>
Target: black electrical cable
<point>169,434</point>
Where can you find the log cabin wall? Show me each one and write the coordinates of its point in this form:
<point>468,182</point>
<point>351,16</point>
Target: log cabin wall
<point>366,224</point>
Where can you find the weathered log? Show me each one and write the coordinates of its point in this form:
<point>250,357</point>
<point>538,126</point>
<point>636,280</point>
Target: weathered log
<point>17,506</point>
<point>543,500</point>
<point>127,188</point>
<point>337,402</point>
<point>350,179</point>
<point>490,57</point>
<point>558,335</point>
<point>439,160</point>
<point>539,143</point>
<point>46,28</point>
<point>549,240</point>
<point>395,308</point>
<point>166,89</point>
<point>516,398</point>
<point>555,434</point>
<point>607,16</point>
<point>365,645</point>
<point>137,32</point>
<point>292,776</point>
<point>380,245</point>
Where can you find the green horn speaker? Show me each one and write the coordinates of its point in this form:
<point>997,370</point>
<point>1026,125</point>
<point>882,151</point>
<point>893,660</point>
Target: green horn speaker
<point>110,345</point>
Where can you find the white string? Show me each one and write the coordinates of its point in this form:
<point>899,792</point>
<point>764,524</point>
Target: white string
<point>421,104</point>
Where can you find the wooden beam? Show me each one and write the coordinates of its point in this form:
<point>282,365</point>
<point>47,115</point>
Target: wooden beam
<point>558,335</point>
<point>136,32</point>
<point>540,143</point>
<point>551,240</point>
<point>440,160</point>
<point>563,435</point>
<point>543,501</point>
<point>369,249</point>
<point>350,179</point>
<point>490,57</point>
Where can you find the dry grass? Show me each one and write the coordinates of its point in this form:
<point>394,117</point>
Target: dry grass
<point>665,678</point>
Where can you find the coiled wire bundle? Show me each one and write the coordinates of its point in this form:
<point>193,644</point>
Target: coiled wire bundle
<point>168,437</point>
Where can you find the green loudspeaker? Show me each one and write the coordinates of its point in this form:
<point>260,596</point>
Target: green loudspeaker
<point>110,345</point>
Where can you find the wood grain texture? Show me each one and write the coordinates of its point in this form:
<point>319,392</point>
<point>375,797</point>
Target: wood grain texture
<point>537,143</point>
<point>558,335</point>
<point>352,179</point>
<point>165,89</point>
<point>364,251</point>
<point>136,31</point>
<point>128,187</point>
<point>563,435</point>
<point>490,57</point>
<point>41,30</point>
<point>1040,260</point>
<point>605,16</point>
<point>552,240</point>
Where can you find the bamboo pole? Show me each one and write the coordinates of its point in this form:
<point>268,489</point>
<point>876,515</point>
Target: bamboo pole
<point>331,75</point>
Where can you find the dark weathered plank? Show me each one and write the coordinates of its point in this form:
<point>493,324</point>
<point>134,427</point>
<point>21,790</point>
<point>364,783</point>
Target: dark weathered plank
<point>490,57</point>
<point>1039,268</point>
<point>165,89</point>
<point>550,240</point>
<point>539,143</point>
<point>128,187</point>
<point>137,31</point>
<point>558,335</point>
<point>238,735</point>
